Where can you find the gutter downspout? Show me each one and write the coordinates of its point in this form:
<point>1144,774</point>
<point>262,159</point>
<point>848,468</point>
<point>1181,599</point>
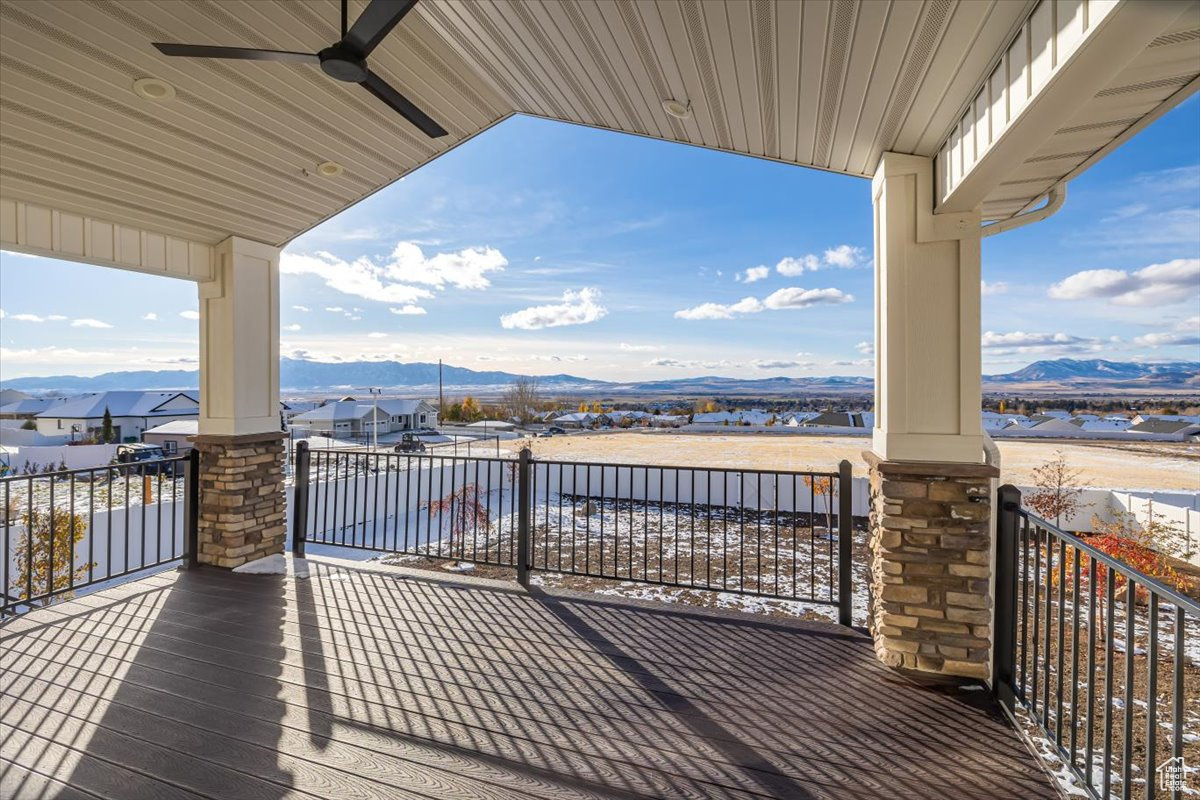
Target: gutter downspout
<point>1054,201</point>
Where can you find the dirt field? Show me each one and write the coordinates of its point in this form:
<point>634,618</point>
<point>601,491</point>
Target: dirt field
<point>1143,465</point>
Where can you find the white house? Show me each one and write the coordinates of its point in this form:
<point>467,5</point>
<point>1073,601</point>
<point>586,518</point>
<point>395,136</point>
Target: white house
<point>131,412</point>
<point>28,407</point>
<point>351,417</point>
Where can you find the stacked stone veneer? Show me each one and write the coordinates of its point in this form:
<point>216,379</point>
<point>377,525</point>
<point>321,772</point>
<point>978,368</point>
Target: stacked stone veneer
<point>931,555</point>
<point>242,501</point>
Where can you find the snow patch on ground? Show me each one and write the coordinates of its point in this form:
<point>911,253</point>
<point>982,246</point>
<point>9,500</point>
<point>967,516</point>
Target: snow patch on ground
<point>277,564</point>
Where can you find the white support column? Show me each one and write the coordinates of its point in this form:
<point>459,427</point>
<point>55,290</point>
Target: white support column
<point>239,341</point>
<point>927,340</point>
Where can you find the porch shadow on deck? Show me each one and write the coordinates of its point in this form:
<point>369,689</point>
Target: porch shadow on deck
<point>384,683</point>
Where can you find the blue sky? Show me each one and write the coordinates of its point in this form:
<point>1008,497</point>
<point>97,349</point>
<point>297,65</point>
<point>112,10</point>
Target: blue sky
<point>539,247</point>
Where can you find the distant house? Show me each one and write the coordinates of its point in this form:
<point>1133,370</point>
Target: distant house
<point>12,395</point>
<point>1180,427</point>
<point>173,437</point>
<point>1065,426</point>
<point>668,420</point>
<point>1192,418</point>
<point>794,419</point>
<point>714,418</point>
<point>581,419</point>
<point>1106,424</point>
<point>28,407</point>
<point>290,409</point>
<point>350,417</point>
<point>1057,413</point>
<point>131,412</point>
<point>841,419</point>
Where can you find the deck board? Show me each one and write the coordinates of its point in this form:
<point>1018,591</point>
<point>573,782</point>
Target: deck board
<point>368,683</point>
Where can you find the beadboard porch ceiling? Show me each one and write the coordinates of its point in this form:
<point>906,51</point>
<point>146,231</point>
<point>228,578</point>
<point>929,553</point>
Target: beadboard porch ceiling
<point>829,84</point>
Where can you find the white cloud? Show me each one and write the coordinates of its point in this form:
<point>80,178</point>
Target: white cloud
<point>376,335</point>
<point>795,297</point>
<point>1047,344</point>
<point>335,309</point>
<point>88,322</point>
<point>866,348</point>
<point>407,310</point>
<point>305,309</point>
<point>999,287</point>
<point>845,256</point>
<point>747,305</point>
<point>576,308</point>
<point>689,364</point>
<point>27,318</point>
<point>753,274</point>
<point>759,363</point>
<point>291,328</point>
<point>55,318</point>
<point>1175,281</point>
<point>361,277</point>
<point>1185,332</point>
<point>1167,339</point>
<point>638,348</point>
<point>791,267</point>
<point>190,314</point>
<point>790,297</point>
<point>391,280</point>
<point>466,269</point>
<point>858,362</point>
<point>150,316</point>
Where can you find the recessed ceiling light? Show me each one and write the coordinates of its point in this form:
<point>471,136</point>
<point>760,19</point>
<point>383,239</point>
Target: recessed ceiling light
<point>681,109</point>
<point>153,89</point>
<point>329,169</point>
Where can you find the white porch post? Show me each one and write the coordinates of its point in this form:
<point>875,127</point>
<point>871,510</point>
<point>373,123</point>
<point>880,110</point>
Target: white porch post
<point>927,363</point>
<point>242,501</point>
<point>239,341</point>
<point>931,492</point>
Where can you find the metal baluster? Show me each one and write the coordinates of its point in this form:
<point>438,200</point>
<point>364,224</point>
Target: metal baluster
<point>1151,697</point>
<point>1177,695</point>
<point>1093,621</point>
<point>1062,605</point>
<point>1037,616</point>
<point>1074,651</point>
<point>1110,614</point>
<point>1127,750</point>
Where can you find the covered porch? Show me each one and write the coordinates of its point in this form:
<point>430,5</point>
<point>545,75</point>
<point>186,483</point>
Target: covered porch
<point>968,118</point>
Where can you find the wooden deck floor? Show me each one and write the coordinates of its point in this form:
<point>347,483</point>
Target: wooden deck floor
<point>371,684</point>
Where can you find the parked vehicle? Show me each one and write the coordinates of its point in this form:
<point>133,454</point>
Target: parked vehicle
<point>150,458</point>
<point>555,429</point>
<point>409,444</point>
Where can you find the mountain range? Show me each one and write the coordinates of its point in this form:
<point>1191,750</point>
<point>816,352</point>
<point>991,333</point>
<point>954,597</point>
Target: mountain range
<point>299,376</point>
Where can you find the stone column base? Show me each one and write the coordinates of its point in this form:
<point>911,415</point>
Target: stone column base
<point>931,566</point>
<point>242,500</point>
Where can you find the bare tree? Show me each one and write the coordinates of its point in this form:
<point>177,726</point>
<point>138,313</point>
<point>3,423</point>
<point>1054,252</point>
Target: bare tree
<point>1057,495</point>
<point>522,398</point>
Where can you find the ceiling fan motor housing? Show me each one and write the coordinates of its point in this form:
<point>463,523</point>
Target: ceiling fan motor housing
<point>341,63</point>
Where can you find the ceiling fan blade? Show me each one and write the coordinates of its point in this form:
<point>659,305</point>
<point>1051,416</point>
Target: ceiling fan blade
<point>374,23</point>
<point>380,88</point>
<point>244,53</point>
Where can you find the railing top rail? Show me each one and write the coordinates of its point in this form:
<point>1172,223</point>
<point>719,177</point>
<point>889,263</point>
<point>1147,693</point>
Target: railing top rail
<point>688,468</point>
<point>560,462</point>
<point>1166,592</point>
<point>64,473</point>
<point>393,454</point>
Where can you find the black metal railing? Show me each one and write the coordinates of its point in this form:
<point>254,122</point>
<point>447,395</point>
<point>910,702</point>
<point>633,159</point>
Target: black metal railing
<point>776,534</point>
<point>1098,653</point>
<point>67,530</point>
